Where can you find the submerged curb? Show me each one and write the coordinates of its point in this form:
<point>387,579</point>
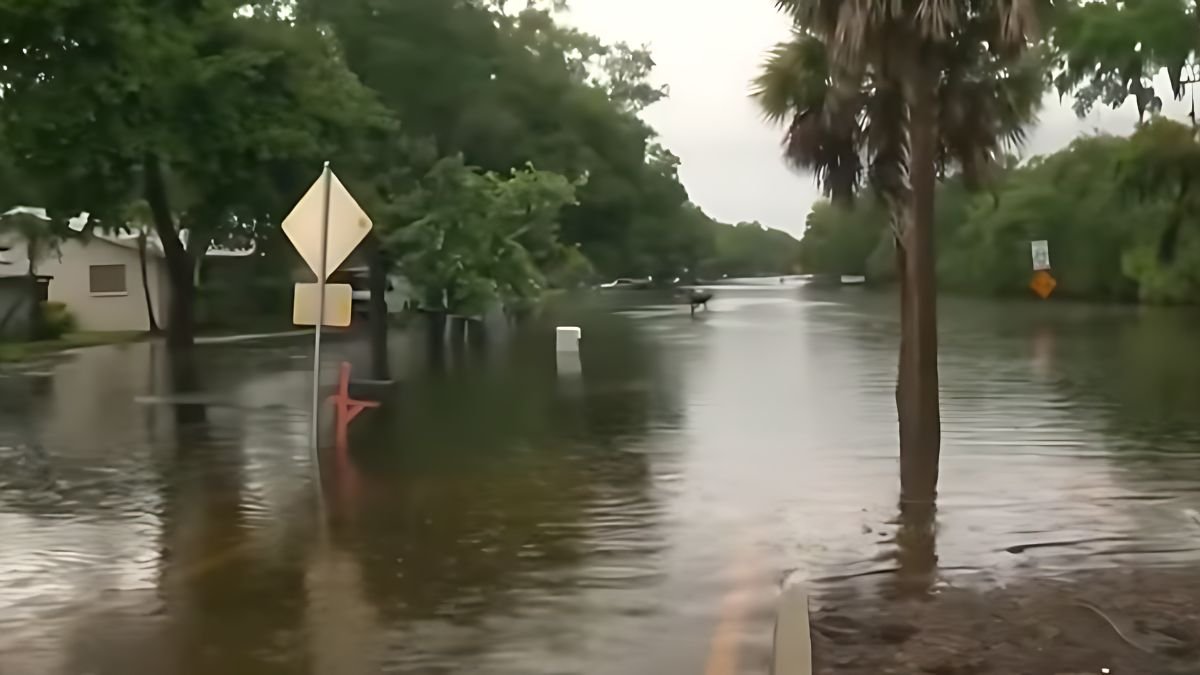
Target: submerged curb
<point>793,639</point>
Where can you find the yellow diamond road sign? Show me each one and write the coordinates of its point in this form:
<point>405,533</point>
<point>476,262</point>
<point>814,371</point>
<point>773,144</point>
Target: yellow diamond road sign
<point>1043,283</point>
<point>348,225</point>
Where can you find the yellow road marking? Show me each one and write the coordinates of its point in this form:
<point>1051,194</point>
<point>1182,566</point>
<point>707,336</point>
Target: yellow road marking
<point>723,653</point>
<point>212,562</point>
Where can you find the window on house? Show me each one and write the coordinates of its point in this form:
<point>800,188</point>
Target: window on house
<point>105,279</point>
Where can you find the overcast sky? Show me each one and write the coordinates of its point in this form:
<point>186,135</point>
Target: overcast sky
<point>707,53</point>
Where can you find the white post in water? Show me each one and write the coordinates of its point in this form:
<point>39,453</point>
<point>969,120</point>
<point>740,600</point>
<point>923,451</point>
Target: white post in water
<point>567,350</point>
<point>568,338</point>
<point>327,179</point>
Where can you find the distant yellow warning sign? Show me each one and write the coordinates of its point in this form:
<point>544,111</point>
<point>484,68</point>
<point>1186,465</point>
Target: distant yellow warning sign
<point>1043,283</point>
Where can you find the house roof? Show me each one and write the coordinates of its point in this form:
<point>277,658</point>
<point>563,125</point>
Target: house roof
<point>128,237</point>
<point>153,246</point>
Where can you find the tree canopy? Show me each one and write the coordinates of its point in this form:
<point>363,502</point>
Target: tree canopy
<point>1109,51</point>
<point>1106,205</point>
<point>461,125</point>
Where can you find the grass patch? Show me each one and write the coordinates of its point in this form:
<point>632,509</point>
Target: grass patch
<point>12,352</point>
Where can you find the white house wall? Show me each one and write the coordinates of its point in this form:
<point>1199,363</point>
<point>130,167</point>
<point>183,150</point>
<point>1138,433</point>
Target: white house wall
<point>71,282</point>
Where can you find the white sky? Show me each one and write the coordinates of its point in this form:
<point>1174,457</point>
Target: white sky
<point>707,53</point>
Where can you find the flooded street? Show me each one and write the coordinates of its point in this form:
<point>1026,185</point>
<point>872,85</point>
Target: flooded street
<point>504,514</point>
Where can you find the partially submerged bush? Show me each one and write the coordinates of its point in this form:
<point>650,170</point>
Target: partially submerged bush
<point>56,321</point>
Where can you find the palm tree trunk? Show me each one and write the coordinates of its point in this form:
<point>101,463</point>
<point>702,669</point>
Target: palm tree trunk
<point>917,385</point>
<point>151,321</point>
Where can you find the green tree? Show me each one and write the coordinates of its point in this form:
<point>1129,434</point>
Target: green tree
<point>1162,160</point>
<point>1116,212</point>
<point>1070,199</point>
<point>1109,51</point>
<point>891,94</point>
<point>840,238</point>
<point>751,249</point>
<point>478,237</point>
<point>510,89</point>
<point>214,115</point>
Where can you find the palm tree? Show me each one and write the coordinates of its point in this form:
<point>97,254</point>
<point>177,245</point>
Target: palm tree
<point>893,94</point>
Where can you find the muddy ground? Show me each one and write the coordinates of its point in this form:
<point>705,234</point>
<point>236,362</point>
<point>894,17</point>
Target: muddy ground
<point>1144,622</point>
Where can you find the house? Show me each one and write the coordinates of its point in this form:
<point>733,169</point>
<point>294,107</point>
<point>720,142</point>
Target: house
<point>98,278</point>
<point>16,306</point>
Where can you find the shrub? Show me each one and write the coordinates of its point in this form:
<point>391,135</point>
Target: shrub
<point>56,321</point>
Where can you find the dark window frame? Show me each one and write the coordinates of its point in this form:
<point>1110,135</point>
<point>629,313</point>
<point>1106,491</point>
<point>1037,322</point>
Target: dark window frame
<point>108,285</point>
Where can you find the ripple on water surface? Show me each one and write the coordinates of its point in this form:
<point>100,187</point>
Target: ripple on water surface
<point>638,516</point>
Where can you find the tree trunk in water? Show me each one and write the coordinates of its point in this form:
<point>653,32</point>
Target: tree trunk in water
<point>181,315</point>
<point>151,321</point>
<point>917,385</point>
<point>458,331</point>
<point>435,336</point>
<point>916,549</point>
<point>378,282</point>
<point>477,334</point>
<point>35,300</point>
<point>190,417</point>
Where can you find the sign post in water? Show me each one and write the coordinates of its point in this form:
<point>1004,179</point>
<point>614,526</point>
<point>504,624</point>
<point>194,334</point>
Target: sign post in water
<point>1043,283</point>
<point>325,227</point>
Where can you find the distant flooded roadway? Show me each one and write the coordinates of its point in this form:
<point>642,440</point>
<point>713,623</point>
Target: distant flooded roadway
<point>505,515</point>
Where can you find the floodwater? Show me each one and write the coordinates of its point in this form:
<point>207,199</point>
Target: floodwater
<point>633,512</point>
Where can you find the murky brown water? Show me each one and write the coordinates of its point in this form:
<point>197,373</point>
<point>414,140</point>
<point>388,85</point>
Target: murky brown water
<point>499,516</point>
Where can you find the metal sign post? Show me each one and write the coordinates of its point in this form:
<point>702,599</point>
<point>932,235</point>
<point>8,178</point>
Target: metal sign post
<point>327,179</point>
<point>325,227</point>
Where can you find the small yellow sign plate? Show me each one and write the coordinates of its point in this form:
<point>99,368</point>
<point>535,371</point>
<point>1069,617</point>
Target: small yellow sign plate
<point>338,301</point>
<point>1043,283</point>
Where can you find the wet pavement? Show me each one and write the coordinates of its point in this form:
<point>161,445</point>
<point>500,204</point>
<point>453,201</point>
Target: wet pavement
<point>504,513</point>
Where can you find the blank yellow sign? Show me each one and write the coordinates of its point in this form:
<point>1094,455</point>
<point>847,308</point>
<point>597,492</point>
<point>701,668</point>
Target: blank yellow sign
<point>348,225</point>
<point>338,301</point>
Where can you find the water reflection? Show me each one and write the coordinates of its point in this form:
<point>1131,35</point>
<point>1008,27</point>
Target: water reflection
<point>916,550</point>
<point>633,513</point>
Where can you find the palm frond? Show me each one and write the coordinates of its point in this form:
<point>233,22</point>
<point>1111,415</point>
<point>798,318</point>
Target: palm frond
<point>886,133</point>
<point>1018,19</point>
<point>796,76</point>
<point>829,146</point>
<point>818,16</point>
<point>839,89</point>
<point>935,19</point>
<point>986,101</point>
<point>821,108</point>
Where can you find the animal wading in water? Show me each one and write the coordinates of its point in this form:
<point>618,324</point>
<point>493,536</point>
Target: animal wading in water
<point>697,298</point>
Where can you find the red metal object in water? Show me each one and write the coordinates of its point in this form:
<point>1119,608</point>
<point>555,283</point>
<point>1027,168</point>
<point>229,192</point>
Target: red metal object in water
<point>345,409</point>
